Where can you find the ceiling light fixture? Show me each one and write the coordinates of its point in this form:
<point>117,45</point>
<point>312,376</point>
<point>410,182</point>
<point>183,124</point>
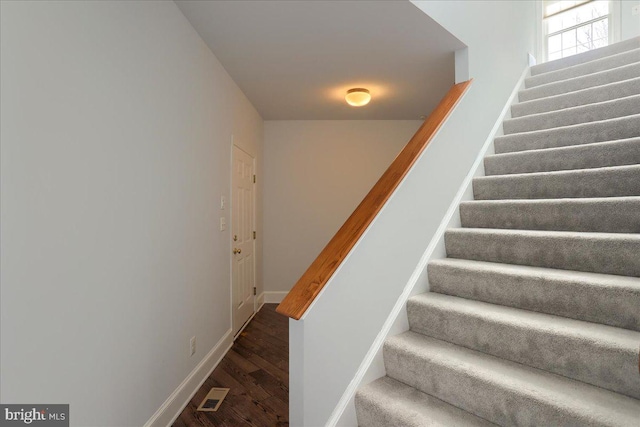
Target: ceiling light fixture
<point>358,97</point>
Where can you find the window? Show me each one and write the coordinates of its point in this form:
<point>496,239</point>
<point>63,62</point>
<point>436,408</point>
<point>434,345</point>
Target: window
<point>575,26</point>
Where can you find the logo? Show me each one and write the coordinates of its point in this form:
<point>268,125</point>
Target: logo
<point>34,415</point>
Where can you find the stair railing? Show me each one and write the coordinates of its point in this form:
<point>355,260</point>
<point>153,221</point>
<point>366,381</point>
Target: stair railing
<point>305,291</point>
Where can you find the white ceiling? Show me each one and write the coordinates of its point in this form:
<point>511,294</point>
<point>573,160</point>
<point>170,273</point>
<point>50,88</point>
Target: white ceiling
<point>295,60</point>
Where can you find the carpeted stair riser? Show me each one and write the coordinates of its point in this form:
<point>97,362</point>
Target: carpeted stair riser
<point>388,402</point>
<point>504,392</point>
<point>588,156</point>
<point>580,134</point>
<point>576,115</point>
<point>609,253</point>
<point>624,72</point>
<point>575,349</point>
<point>605,215</point>
<point>595,66</point>
<point>589,56</point>
<point>591,95</point>
<point>599,298</point>
<point>616,181</point>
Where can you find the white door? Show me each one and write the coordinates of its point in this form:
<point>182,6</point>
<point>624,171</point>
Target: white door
<point>242,241</point>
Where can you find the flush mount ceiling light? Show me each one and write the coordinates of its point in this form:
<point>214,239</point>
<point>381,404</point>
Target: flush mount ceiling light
<point>357,97</point>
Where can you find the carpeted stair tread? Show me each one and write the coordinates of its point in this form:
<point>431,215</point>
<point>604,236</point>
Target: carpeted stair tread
<point>387,402</point>
<point>579,134</point>
<point>600,298</point>
<point>533,319</point>
<point>608,253</point>
<point>501,391</point>
<point>617,74</point>
<point>578,70</point>
<point>600,355</point>
<point>623,46</point>
<point>621,107</point>
<point>614,181</point>
<point>605,214</point>
<point>586,156</point>
<point>587,96</point>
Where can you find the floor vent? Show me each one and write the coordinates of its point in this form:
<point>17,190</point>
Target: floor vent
<point>213,400</point>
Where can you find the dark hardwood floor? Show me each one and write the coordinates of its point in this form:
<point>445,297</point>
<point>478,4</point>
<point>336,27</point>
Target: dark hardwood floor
<point>256,370</point>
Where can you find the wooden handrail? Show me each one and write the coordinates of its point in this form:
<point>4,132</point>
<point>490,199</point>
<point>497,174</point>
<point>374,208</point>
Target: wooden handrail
<point>320,271</point>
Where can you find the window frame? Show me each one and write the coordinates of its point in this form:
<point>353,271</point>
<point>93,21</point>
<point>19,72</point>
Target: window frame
<point>613,26</point>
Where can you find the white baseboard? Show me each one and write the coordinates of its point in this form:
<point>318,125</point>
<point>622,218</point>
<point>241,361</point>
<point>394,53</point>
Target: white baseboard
<point>274,297</point>
<point>175,403</point>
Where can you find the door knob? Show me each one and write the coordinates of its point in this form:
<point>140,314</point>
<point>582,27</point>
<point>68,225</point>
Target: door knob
<point>237,251</point>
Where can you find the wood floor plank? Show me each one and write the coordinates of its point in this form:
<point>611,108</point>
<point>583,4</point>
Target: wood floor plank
<point>244,379</point>
<point>273,322</point>
<point>281,374</point>
<point>270,329</point>
<point>244,363</point>
<point>271,384</point>
<point>250,411</point>
<point>275,345</point>
<point>274,326</point>
<point>256,371</point>
<point>268,344</point>
<point>267,353</point>
<point>277,406</point>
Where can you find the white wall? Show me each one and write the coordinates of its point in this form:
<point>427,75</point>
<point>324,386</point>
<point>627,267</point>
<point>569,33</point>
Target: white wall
<point>329,344</point>
<point>629,23</point>
<point>115,150</point>
<point>316,173</point>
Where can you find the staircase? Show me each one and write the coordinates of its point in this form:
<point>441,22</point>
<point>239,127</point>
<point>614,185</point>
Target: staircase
<point>534,317</point>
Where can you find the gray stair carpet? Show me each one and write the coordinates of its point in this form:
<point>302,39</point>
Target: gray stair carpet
<point>589,56</point>
<point>533,319</point>
<point>586,96</point>
<point>602,64</point>
<point>586,81</point>
<point>586,156</point>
